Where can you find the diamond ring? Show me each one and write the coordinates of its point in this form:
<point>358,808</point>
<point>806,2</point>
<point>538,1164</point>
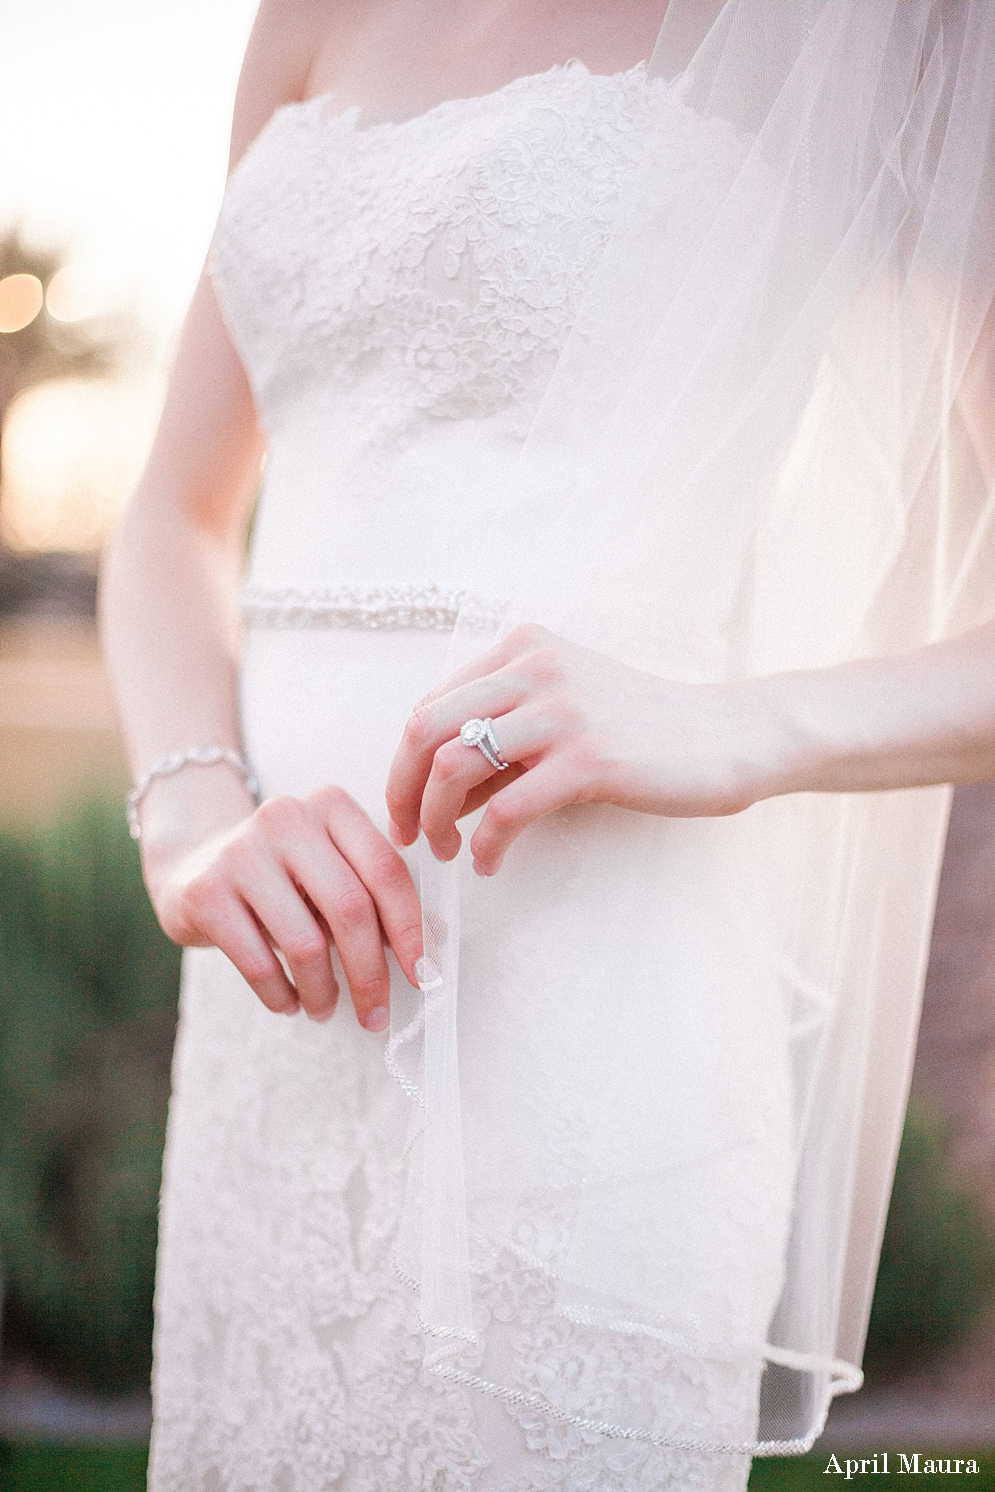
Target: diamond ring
<point>480,733</point>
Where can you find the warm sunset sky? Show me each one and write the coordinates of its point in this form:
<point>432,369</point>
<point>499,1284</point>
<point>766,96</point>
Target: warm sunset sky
<point>114,118</point>
<point>113,124</point>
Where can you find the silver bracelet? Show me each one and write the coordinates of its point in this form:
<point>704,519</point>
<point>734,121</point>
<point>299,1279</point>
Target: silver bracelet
<point>197,756</point>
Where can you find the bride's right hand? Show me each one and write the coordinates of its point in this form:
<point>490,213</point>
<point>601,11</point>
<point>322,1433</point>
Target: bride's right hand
<point>297,876</point>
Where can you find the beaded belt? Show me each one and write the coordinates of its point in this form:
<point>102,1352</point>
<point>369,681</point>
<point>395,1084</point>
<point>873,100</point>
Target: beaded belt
<point>391,608</point>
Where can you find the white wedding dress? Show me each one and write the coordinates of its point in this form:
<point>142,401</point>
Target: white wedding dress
<point>399,294</point>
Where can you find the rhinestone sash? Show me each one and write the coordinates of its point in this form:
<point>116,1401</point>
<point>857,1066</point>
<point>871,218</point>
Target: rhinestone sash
<point>393,608</point>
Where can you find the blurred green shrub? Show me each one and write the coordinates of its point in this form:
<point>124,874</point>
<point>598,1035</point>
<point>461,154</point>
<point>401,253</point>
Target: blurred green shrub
<point>87,1009</point>
<point>40,1467</point>
<point>937,1270</point>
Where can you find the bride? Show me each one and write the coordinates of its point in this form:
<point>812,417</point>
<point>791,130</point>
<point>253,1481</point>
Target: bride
<point>624,534</point>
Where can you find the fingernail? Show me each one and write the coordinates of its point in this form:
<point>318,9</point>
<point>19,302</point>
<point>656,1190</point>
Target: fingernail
<point>426,973</point>
<point>378,1019</point>
<point>394,835</point>
<point>479,870</point>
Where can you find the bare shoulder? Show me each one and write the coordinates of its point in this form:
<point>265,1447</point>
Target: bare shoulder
<point>286,39</point>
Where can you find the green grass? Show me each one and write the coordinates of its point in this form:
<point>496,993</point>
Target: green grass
<point>806,1473</point>
<point>72,1468</point>
<point>121,1468</point>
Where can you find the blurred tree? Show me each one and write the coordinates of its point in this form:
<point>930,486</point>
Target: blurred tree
<point>42,349</point>
<point>46,348</point>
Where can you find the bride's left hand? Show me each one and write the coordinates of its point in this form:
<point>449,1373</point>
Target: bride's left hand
<point>576,727</point>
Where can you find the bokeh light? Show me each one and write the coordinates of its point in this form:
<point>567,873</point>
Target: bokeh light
<point>104,169</point>
<point>72,450</point>
<point>79,292</point>
<point>115,116</point>
<point>21,298</point>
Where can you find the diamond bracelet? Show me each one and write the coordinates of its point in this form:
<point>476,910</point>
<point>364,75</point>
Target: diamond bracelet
<point>197,756</point>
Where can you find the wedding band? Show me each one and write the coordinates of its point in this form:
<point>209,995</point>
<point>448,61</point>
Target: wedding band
<point>480,733</point>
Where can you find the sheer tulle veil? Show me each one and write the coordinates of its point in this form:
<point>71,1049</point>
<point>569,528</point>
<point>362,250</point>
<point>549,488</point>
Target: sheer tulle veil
<point>761,449</point>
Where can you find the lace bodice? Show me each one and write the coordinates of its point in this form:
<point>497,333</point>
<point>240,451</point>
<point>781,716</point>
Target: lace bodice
<point>399,295</point>
<point>440,260</point>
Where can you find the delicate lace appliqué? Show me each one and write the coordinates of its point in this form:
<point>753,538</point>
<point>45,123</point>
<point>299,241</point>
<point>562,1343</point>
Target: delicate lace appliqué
<point>441,261</point>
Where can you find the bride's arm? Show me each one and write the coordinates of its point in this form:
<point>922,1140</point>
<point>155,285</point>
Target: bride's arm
<point>589,730</point>
<point>580,728</point>
<point>294,874</point>
<point>169,581</point>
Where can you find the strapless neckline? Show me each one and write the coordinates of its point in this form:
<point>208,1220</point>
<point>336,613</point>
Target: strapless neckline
<point>318,109</point>
<point>400,295</point>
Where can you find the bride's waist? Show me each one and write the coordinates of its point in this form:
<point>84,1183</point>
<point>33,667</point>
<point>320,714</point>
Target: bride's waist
<point>342,516</point>
<point>324,704</point>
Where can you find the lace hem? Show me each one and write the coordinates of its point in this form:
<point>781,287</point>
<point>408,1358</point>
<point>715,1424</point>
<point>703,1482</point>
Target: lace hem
<point>395,608</point>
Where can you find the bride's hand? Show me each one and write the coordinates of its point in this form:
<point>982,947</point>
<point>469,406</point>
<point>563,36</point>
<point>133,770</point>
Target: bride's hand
<point>578,728</point>
<point>298,875</point>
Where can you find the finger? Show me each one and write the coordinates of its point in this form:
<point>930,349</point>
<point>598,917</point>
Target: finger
<point>458,770</point>
<point>548,786</point>
<point>382,871</point>
<point>229,925</point>
<point>279,907</point>
<point>306,843</point>
<point>478,796</point>
<point>349,911</point>
<point>430,727</point>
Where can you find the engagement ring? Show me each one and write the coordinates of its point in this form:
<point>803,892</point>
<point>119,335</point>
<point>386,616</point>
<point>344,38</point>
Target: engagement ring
<point>480,733</point>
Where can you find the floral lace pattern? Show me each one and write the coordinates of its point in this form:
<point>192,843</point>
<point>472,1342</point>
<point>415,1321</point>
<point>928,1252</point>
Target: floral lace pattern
<point>441,260</point>
<point>289,1355</point>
